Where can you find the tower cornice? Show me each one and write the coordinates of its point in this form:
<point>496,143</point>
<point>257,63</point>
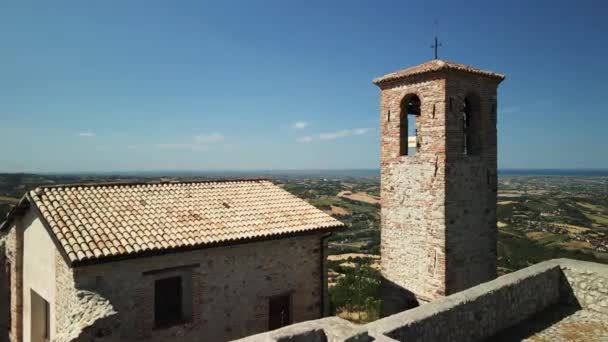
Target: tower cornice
<point>435,66</point>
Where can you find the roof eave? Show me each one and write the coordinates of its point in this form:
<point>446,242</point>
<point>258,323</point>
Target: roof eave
<point>181,249</point>
<point>379,81</point>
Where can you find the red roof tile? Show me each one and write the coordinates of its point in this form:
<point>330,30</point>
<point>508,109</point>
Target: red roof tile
<point>101,221</point>
<point>432,66</point>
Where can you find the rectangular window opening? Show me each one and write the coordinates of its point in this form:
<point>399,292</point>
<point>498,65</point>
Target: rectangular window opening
<point>279,314</point>
<point>168,297</point>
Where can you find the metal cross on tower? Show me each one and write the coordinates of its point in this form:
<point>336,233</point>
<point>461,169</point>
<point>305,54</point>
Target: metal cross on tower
<point>436,46</point>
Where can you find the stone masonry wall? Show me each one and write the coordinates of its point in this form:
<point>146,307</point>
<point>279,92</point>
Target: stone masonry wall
<point>412,191</point>
<point>5,310</point>
<point>12,244</point>
<point>479,312</point>
<point>230,289</point>
<point>439,206</point>
<point>471,183</point>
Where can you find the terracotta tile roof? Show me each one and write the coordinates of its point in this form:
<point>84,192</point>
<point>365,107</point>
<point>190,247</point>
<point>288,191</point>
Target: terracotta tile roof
<point>93,222</point>
<point>434,65</point>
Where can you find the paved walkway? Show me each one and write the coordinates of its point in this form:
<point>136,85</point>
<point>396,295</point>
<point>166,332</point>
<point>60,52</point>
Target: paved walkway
<point>560,323</point>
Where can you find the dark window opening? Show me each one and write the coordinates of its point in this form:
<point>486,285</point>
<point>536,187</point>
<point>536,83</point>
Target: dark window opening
<point>279,314</point>
<point>168,302</point>
<point>471,126</point>
<point>408,133</point>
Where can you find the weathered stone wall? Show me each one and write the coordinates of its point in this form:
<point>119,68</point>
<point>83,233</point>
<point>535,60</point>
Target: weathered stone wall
<point>587,282</point>
<point>11,301</point>
<point>412,191</point>
<point>439,206</point>
<point>230,291</point>
<point>471,183</point>
<point>5,309</point>
<point>479,312</point>
<point>81,315</point>
<point>330,329</point>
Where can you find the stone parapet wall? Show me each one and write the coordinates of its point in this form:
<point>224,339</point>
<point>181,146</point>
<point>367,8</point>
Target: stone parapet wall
<point>479,312</point>
<point>321,330</point>
<point>471,315</point>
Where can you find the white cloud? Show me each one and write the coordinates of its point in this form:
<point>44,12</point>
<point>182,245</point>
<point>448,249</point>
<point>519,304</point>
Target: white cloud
<point>208,138</point>
<point>300,125</point>
<point>86,134</point>
<point>200,142</point>
<point>196,147</point>
<point>334,135</point>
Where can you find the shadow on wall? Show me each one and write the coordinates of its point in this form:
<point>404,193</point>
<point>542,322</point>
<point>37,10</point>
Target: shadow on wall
<point>395,298</point>
<point>535,324</point>
<point>101,330</point>
<point>470,191</point>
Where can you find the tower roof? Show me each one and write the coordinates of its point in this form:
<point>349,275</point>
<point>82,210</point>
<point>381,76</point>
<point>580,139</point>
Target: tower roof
<point>433,66</point>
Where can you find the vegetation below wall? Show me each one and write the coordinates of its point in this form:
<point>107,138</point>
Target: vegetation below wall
<point>356,295</point>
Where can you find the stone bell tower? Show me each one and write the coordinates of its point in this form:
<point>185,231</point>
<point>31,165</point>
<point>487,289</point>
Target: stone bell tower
<point>438,181</point>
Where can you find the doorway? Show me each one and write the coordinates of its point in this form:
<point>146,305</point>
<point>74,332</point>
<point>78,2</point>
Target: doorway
<point>279,312</point>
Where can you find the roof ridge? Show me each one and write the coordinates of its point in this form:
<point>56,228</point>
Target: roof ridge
<point>154,182</point>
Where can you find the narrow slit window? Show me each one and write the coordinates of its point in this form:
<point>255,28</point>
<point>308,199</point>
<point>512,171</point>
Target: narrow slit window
<point>466,140</point>
<point>408,133</point>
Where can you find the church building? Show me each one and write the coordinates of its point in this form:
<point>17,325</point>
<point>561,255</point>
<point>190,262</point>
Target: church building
<point>200,261</point>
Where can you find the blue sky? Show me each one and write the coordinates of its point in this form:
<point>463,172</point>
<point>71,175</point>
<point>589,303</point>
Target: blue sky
<point>180,85</point>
